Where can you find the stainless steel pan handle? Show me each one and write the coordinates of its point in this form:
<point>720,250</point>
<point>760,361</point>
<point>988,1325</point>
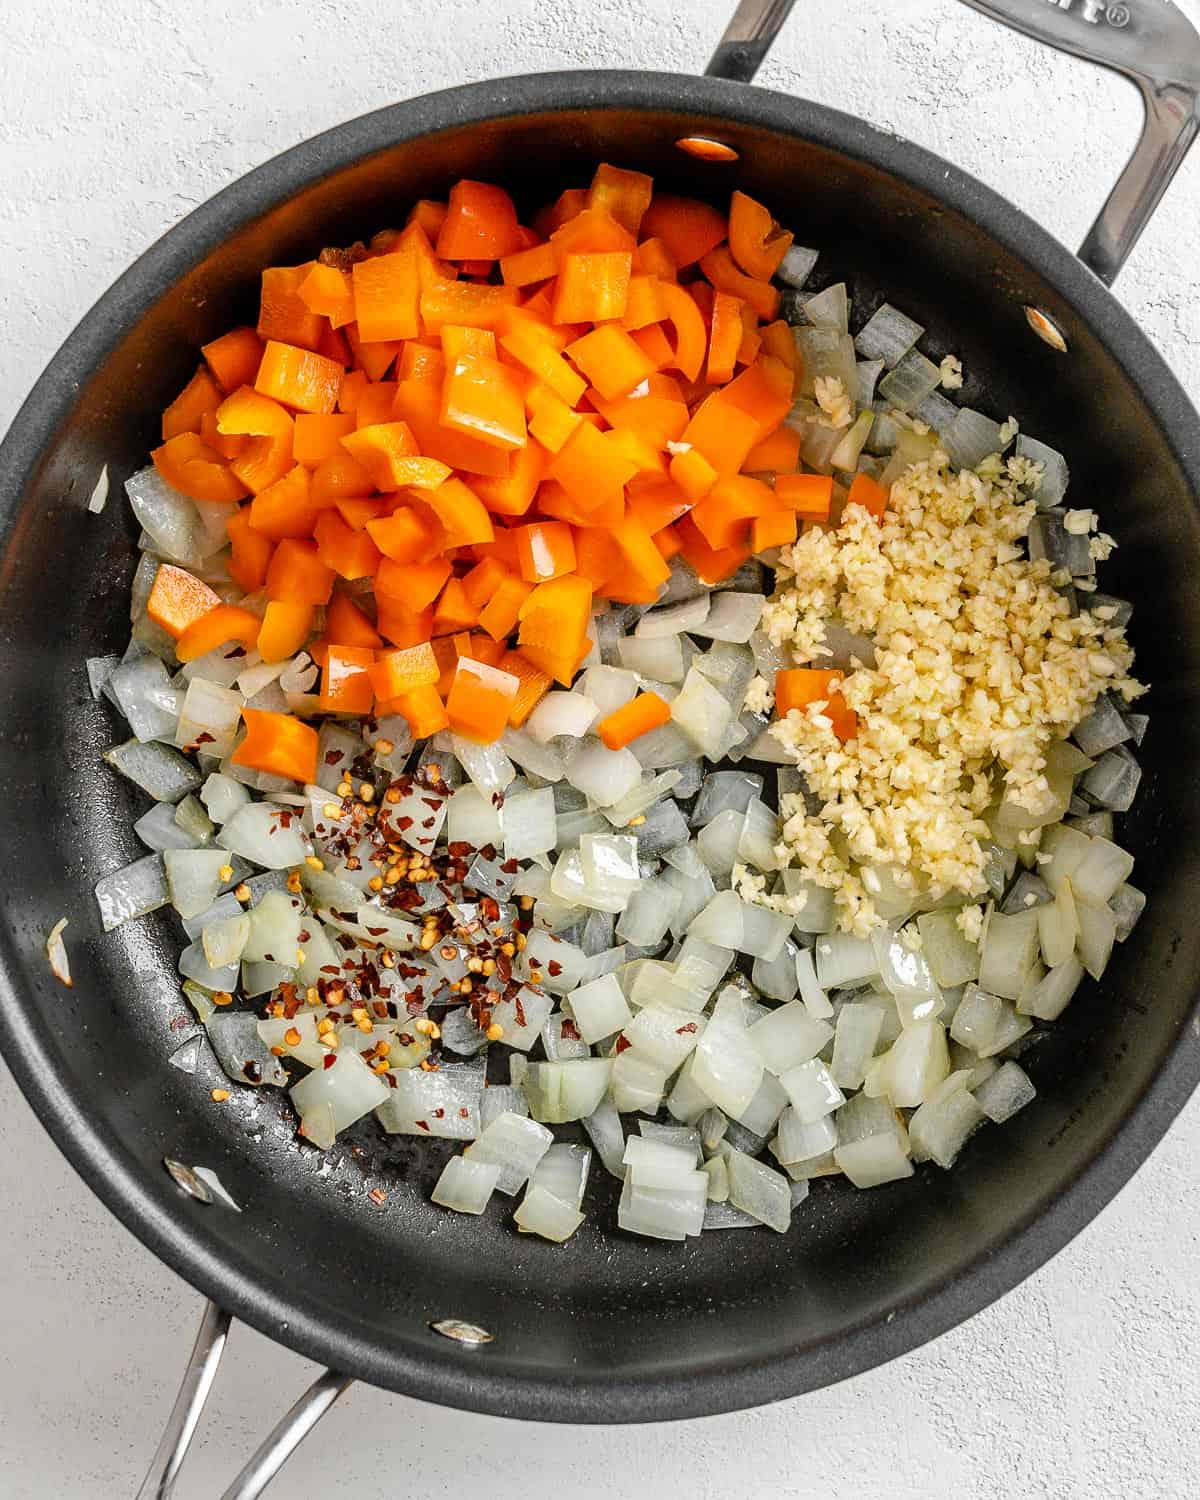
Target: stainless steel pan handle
<point>272,1453</point>
<point>1149,41</point>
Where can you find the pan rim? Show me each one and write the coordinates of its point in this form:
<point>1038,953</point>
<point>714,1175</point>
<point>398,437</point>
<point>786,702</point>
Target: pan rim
<point>448,1377</point>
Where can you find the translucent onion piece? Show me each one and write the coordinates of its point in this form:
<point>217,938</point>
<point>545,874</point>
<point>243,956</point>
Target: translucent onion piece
<point>1102,870</point>
<point>222,796</point>
<point>719,840</point>
<point>788,1037</point>
<point>873,1161</point>
<point>347,1086</point>
<point>702,714</point>
<point>445,1104</point>
<point>648,913</point>
<point>758,1190</point>
<point>143,692</point>
<point>132,892</point>
<point>858,1027</point>
<point>568,1090</point>
<point>563,713</point>
<point>664,1213</point>
<point>522,1016</point>
<point>499,1099</point>
<point>1055,474</point>
<point>908,383</point>
<point>1008,953</point>
<point>538,759</point>
<point>603,775</point>
<point>158,829</point>
<point>56,953</point>
<point>465,1185</point>
<point>472,818</point>
<point>658,657</point>
<point>170,518</point>
<point>240,1050</point>
<point>1005,1092</point>
<point>888,334</point>
<point>798,1141</point>
<point>157,769</point>
<point>830,308</point>
<point>732,617</point>
<point>977,1019</point>
<point>605,1132</point>
<point>541,1213</point>
<point>637,1083</point>
<point>674,619</point>
<point>487,766</point>
<point>266,835</point>
<point>941,1127</point>
<point>797,265</point>
<point>843,959</point>
<point>916,1064</point>
<point>951,958</point>
<point>1097,933</point>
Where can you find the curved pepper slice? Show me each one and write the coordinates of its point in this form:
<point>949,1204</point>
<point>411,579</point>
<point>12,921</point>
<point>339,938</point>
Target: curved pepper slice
<point>192,467</point>
<point>279,744</point>
<point>222,624</point>
<point>756,241</point>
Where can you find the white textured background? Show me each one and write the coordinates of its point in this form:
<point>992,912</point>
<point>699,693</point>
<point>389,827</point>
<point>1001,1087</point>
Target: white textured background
<point>116,118</point>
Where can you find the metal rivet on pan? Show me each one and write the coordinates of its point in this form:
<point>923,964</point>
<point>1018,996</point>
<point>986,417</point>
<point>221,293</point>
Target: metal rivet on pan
<point>463,1333</point>
<point>706,148</point>
<point>1046,329</point>
<point>193,1186</point>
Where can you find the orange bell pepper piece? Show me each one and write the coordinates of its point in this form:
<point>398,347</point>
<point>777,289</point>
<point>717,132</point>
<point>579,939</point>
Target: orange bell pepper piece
<point>285,628</point>
<point>328,292</point>
<point>778,453</point>
<point>453,611</point>
<point>177,599</point>
<point>551,421</point>
<point>372,357</point>
<point>318,437</point>
<point>346,680</point>
<point>725,338</point>
<point>658,417</point>
<point>482,398</point>
<point>532,686</point>
<point>250,551</point>
<point>279,744</point>
<point>298,575</point>
<point>592,231</point>
<point>545,549</point>
<point>797,687</point>
<point>640,553</point>
<point>668,542</point>
<point>777,528</point>
<point>693,473</point>
<point>687,227</point>
<point>424,710</point>
<point>751,338</point>
<point>429,214</point>
<point>637,717</point>
<point>234,358</point>
<point>597,556</point>
<point>481,698</point>
<point>552,624</point>
<point>460,342</point>
<point>708,564</point>
<point>354,383</point>
<point>691,336</point>
<point>592,287</point>
<point>565,207</point>
<point>756,241</point>
<point>718,266</point>
<point>611,360</point>
<point>624,194</point>
<point>763,391</point>
<point>724,517</point>
<point>511,493</point>
<point>529,347</point>
<point>808,496</point>
<point>282,314</point>
<point>870,495</point>
<point>192,467</point>
<point>220,625</point>
<point>525,267</point>
<point>498,616</point>
<point>591,468</point>
<point>271,430</point>
<point>350,553</point>
<point>655,503</point>
<point>722,432</point>
<point>480,223</point>
<point>201,395</point>
<point>228,447</point>
<point>298,378</point>
<point>394,673</point>
<point>652,258</point>
<point>462,514</point>
<point>339,477</point>
<point>419,403</point>
<point>381,448</point>
<point>464,302</point>
<point>403,627</point>
<point>356,511</point>
<point>286,508</point>
<point>387,292</point>
<point>483,580</point>
<point>779,341</point>
<point>334,345</point>
<point>405,536</point>
<point>655,345</point>
<point>346,625</point>
<point>644,305</point>
<point>375,403</point>
<point>414,586</point>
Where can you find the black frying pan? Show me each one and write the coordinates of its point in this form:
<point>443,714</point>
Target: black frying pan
<point>608,1328</point>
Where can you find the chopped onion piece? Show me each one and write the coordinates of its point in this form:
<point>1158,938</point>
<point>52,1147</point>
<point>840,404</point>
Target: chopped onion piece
<point>541,1213</point>
<point>157,769</point>
<point>815,1000</point>
<point>445,1104</point>
<point>1101,871</point>
<point>788,1037</point>
<point>811,1090</point>
<point>222,796</point>
<point>567,1090</point>
<point>603,775</point>
<point>732,617</point>
<point>664,1213</point>
<point>799,1141</point>
<point>1008,953</point>
<point>56,952</point>
<point>674,619</point>
<point>604,1129</point>
<point>465,1185</point>
<point>132,892</point>
<point>843,959</point>
<point>637,1083</point>
<point>657,657</point>
<point>702,714</point>
<point>758,1190</point>
<point>1097,933</point>
<point>888,334</point>
<point>858,1027</point>
<point>911,379</point>
<point>915,1065</point>
<point>797,265</point>
<point>941,1126</point>
<point>193,878</point>
<point>348,1086</point>
<point>1006,1091</point>
<point>952,959</point>
<point>830,308</point>
<point>563,713</point>
<point>487,766</point>
<point>522,1016</point>
<point>609,688</point>
<point>266,835</point>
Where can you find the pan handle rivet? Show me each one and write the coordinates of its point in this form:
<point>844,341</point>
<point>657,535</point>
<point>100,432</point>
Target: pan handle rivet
<point>462,1333</point>
<point>1046,329</point>
<point>706,148</point>
<point>193,1186</point>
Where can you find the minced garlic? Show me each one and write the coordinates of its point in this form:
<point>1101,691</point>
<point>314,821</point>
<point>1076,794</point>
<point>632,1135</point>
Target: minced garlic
<point>834,400</point>
<point>979,665</point>
<point>950,373</point>
<point>760,698</point>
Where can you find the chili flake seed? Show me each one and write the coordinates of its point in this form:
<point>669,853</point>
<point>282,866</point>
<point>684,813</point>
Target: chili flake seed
<point>638,821</point>
<point>222,997</point>
<point>314,862</point>
<point>376,882</point>
<point>384,747</point>
<point>332,810</point>
<point>494,1032</point>
<point>520,942</point>
<point>366,792</point>
<point>344,789</point>
<point>324,1026</point>
<point>428,938</point>
<point>388,959</point>
<point>392,794</point>
<point>535,976</point>
<point>242,892</point>
<point>525,903</point>
<point>219,1096</point>
<point>277,1052</point>
<point>312,994</point>
<point>292,1037</point>
<point>366,1024</point>
<point>293,882</point>
<point>226,872</point>
<point>377,1196</point>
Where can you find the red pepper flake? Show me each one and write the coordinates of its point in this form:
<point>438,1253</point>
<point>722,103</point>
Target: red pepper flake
<point>439,1114</point>
<point>434,802</point>
<point>464,1113</point>
<point>685,1030</point>
<point>181,1023</point>
<point>510,867</point>
<point>328,1060</point>
<point>377,1196</point>
<point>333,756</point>
<point>458,849</point>
<point>554,968</point>
<point>427,823</point>
<point>404,823</point>
<point>570,1032</point>
<point>237,652</point>
<point>422,1124</point>
<point>376,931</point>
<point>520,1009</point>
<point>204,738</point>
<point>623,1042</point>
<point>380,1010</point>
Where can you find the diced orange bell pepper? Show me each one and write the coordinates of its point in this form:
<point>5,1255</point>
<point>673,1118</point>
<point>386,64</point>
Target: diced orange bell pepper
<point>234,358</point>
<point>461,512</point>
<point>387,292</point>
<point>624,194</point>
<point>591,468</point>
<point>482,398</point>
<point>329,292</point>
<point>228,447</point>
<point>178,598</point>
<point>592,231</point>
<point>286,508</point>
<point>533,685</point>
<point>479,647</point>
<point>709,565</point>
<point>597,556</point>
<point>403,627</point>
<point>725,339</point>
<point>658,417</point>
<point>480,223</point>
<point>686,226</point>
<point>722,432</point>
<point>652,258</point>
<point>668,542</point>
<point>429,214</point>
<point>279,744</point>
<point>250,551</point>
<point>298,378</point>
<point>808,496</point>
<point>763,391</point>
<point>220,625</point>
<point>537,354</point>
<point>655,345</point>
<point>779,341</point>
<point>271,430</point>
<point>282,314</point>
<point>285,628</point>
<point>483,580</point>
<point>643,557</point>
<point>381,448</point>
<point>797,687</point>
<point>481,698</point>
<point>526,267</point>
<point>691,336</point>
<point>414,586</point>
<point>421,362</point>
<point>555,504</point>
<point>350,553</point>
<point>553,621</point>
<point>298,575</point>
<point>592,287</point>
<point>346,680</point>
<point>372,357</point>
<point>551,421</point>
<point>718,266</point>
<point>453,610</point>
<point>346,625</point>
<point>693,473</point>
<point>419,403</point>
<point>424,710</point>
<point>611,360</point>
<point>397,672</point>
<point>655,503</point>
<point>464,302</point>
<point>777,453</point>
<point>756,241</point>
<point>637,717</point>
<point>777,528</point>
<point>872,496</point>
<point>340,477</point>
<point>459,342</point>
<point>405,536</point>
<point>334,345</point>
<point>724,517</point>
<point>545,549</point>
<point>375,403</point>
<point>201,395</point>
<point>751,338</point>
<point>356,511</point>
<point>511,494</point>
<point>702,295</point>
<point>498,615</point>
<point>316,438</point>
<point>192,467</point>
<point>554,215</point>
<point>354,384</point>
